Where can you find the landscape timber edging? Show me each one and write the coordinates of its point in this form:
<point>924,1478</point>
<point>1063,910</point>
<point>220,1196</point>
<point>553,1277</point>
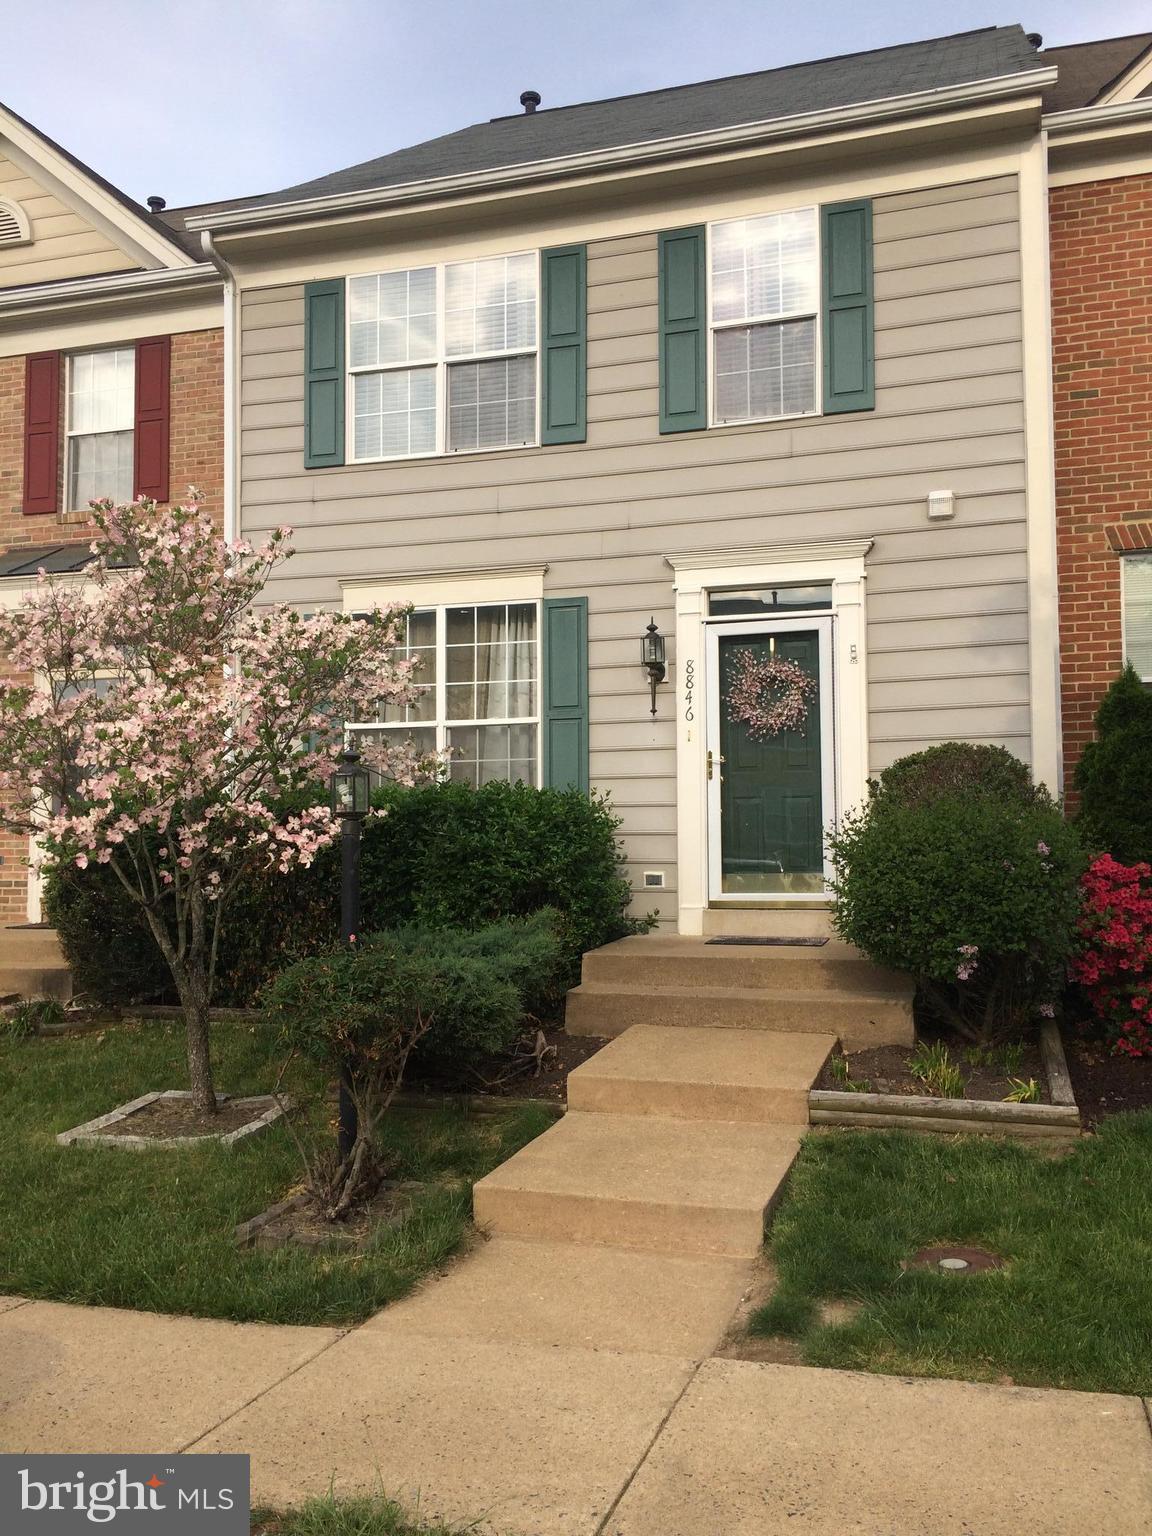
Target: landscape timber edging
<point>1059,1120</point>
<point>95,1132</point>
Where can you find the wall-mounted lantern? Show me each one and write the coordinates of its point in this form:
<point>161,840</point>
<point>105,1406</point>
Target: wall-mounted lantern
<point>652,657</point>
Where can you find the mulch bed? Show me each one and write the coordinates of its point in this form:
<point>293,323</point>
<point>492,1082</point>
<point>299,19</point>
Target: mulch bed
<point>1105,1084</point>
<point>166,1118</point>
<point>529,1074</point>
<point>296,1221</point>
<point>885,1069</point>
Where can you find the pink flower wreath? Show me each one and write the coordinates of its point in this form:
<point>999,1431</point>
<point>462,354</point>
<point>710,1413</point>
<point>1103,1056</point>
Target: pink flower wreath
<point>769,695</point>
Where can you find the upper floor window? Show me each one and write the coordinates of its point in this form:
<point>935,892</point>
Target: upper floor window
<point>442,359</point>
<point>1137,592</point>
<point>764,297</point>
<point>100,418</point>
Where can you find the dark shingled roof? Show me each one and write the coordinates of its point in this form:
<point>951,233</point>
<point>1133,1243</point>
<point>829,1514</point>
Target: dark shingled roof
<point>845,81</point>
<point>56,559</point>
<point>1087,69</point>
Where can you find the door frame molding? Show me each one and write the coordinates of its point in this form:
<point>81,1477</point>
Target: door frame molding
<point>838,562</point>
<point>824,623</point>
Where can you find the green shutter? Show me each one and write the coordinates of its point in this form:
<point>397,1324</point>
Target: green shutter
<point>323,374</point>
<point>849,344</point>
<point>566,693</point>
<point>564,412</point>
<point>683,331</point>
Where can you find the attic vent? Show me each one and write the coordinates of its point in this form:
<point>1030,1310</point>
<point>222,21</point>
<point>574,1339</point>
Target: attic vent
<point>14,228</point>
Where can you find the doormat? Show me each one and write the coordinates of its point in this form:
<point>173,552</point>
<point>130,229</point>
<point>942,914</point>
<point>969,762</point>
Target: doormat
<point>812,943</point>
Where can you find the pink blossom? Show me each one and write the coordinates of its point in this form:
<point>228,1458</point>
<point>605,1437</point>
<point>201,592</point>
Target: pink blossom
<point>769,694</point>
<point>186,705</point>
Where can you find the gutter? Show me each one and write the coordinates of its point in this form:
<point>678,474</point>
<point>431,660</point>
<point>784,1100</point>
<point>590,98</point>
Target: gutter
<point>645,151</point>
<point>112,285</point>
<point>231,384</point>
<point>1122,113</point>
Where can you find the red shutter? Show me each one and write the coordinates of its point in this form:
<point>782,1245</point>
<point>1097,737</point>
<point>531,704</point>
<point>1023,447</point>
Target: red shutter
<point>42,433</point>
<point>150,446</point>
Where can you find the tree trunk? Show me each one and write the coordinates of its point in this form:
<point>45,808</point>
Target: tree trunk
<point>194,1001</point>
<point>194,990</point>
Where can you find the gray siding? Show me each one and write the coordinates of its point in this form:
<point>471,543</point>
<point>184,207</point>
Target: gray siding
<point>947,605</point>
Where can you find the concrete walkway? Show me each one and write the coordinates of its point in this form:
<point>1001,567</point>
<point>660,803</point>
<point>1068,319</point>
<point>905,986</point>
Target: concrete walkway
<point>561,1381</point>
<point>560,1439</point>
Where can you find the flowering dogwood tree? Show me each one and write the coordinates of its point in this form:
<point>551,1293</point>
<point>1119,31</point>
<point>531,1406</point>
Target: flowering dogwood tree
<point>165,715</point>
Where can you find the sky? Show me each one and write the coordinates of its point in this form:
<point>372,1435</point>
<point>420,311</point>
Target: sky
<point>202,99</point>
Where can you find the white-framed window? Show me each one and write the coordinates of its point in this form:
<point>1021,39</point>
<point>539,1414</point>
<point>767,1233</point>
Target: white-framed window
<point>99,426</point>
<point>763,306</point>
<point>443,359</point>
<point>1136,605</point>
<point>479,680</point>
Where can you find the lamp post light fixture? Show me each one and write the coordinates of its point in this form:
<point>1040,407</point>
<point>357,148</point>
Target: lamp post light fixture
<point>350,789</point>
<point>653,657</point>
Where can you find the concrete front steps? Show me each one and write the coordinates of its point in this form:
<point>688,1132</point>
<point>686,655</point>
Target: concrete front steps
<point>668,1145</point>
<point>32,964</point>
<point>668,980</point>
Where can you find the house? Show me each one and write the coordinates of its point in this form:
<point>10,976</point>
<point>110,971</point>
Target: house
<point>1098,123</point>
<point>111,375</point>
<point>762,362</point>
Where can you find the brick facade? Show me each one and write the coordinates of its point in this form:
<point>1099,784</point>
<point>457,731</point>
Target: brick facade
<point>196,458</point>
<point>1101,235</point>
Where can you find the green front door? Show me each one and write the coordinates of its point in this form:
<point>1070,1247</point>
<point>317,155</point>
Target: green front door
<point>771,789</point>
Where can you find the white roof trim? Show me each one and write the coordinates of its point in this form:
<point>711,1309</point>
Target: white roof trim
<point>135,234</point>
<point>109,286</point>
<point>861,113</point>
<point>1120,114</point>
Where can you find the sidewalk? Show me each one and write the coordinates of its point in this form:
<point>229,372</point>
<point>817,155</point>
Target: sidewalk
<point>557,1438</point>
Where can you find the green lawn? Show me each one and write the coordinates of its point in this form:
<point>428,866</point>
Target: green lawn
<point>153,1229</point>
<point>1073,1306</point>
<point>368,1516</point>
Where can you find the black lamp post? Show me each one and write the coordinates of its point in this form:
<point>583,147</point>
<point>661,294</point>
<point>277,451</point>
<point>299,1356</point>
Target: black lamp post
<point>350,787</point>
<point>652,657</point>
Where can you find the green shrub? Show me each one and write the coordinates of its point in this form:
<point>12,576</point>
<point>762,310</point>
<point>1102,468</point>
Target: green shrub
<point>447,855</point>
<point>358,1012</point>
<point>444,856</point>
<point>480,966</point>
<point>1114,776</point>
<point>955,768</point>
<point>974,895</point>
<point>466,988</point>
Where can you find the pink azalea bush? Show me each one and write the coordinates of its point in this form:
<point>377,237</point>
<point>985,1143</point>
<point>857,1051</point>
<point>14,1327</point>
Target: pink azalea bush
<point>165,715</point>
<point>1113,964</point>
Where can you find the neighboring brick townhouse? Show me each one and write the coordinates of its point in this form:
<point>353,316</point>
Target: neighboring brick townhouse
<point>1099,126</point>
<point>111,374</point>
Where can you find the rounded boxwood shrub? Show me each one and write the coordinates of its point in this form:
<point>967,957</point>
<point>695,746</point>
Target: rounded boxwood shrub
<point>1114,776</point>
<point>955,768</point>
<point>975,895</point>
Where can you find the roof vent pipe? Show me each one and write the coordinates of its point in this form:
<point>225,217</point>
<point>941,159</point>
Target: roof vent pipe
<point>1034,38</point>
<point>529,100</point>
<point>157,204</point>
